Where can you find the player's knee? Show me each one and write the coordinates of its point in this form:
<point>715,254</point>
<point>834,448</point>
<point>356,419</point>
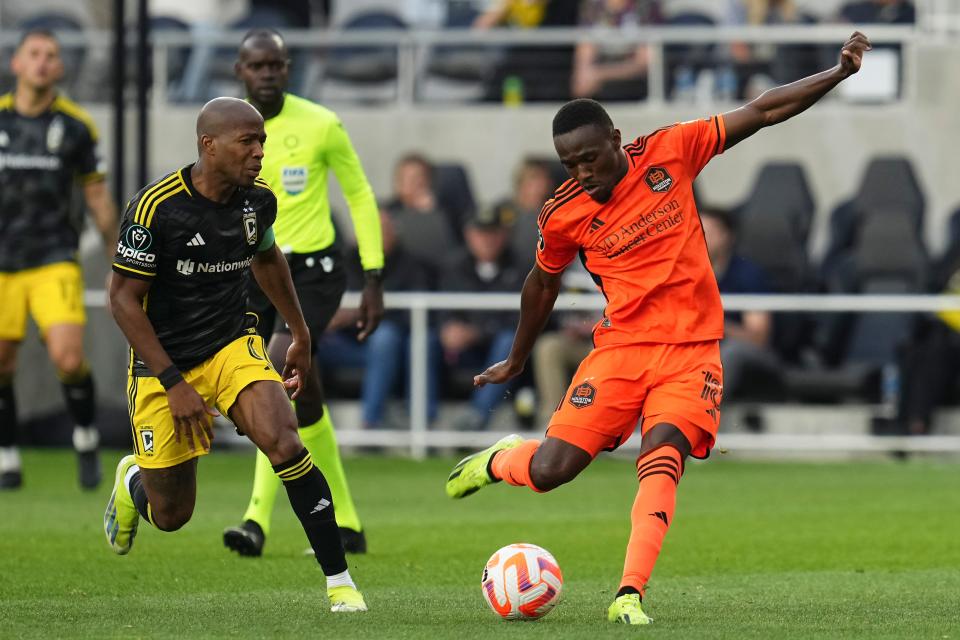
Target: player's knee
<point>68,362</point>
<point>547,475</point>
<point>171,516</point>
<point>284,445</point>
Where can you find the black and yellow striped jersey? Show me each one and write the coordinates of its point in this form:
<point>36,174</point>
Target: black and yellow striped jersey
<point>42,159</point>
<point>197,255</point>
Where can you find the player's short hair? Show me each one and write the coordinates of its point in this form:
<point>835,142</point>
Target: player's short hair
<point>38,32</point>
<point>262,32</point>
<point>580,113</point>
<point>721,215</point>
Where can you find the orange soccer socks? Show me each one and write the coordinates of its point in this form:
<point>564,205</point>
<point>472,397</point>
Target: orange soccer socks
<point>659,474</point>
<point>513,465</point>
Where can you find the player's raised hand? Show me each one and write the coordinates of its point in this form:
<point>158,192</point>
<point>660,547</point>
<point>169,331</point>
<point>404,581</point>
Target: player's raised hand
<point>296,367</point>
<point>851,55</point>
<point>497,374</point>
<point>191,416</point>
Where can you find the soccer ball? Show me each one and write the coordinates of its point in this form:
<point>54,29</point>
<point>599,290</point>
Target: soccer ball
<point>522,582</point>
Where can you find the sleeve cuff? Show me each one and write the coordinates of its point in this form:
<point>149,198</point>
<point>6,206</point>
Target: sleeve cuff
<point>130,272</point>
<point>549,269</point>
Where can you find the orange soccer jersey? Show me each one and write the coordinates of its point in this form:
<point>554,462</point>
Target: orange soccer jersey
<point>644,247</point>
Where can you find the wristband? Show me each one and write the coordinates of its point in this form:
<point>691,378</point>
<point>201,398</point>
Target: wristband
<point>373,275</point>
<point>170,376</point>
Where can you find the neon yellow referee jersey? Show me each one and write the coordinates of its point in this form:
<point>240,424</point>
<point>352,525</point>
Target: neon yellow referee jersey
<point>305,141</point>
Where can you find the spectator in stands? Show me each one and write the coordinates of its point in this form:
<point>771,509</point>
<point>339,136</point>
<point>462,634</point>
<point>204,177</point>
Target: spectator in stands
<point>614,71</point>
<point>879,12</point>
<point>930,363</point>
<point>385,355</point>
<point>531,73</point>
<point>533,184</point>
<point>559,352</point>
<point>423,228</point>
<point>480,338</point>
<point>747,335</point>
<point>758,67</point>
<point>523,14</point>
<point>413,186</point>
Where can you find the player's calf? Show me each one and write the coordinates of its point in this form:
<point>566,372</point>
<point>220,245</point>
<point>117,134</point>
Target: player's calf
<point>549,469</point>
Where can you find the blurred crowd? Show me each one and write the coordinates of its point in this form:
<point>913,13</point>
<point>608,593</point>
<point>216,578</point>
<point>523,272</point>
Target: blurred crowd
<point>906,362</point>
<point>600,66</point>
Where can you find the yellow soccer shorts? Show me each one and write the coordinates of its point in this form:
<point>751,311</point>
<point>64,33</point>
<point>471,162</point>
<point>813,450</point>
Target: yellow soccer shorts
<point>52,294</point>
<point>218,380</point>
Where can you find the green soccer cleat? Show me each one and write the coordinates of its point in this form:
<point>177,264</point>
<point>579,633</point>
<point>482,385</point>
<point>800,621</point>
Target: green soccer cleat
<point>470,475</point>
<point>626,610</point>
<point>120,520</point>
<point>346,600</point>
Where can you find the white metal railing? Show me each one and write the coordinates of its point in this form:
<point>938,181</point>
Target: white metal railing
<point>414,46</point>
<point>419,439</point>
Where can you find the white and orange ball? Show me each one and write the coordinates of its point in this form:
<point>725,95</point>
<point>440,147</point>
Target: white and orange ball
<point>522,582</point>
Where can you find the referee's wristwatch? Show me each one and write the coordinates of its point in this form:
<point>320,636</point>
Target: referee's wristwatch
<point>373,276</point>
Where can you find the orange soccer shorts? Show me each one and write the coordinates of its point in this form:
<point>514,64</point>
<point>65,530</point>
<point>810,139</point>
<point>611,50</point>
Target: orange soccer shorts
<point>618,386</point>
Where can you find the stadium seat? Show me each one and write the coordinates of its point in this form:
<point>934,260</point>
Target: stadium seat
<point>426,236</point>
<point>454,194</point>
<point>953,229</point>
<point>889,183</point>
<point>460,63</point>
<point>888,257</point>
<point>365,64</point>
<point>781,189</point>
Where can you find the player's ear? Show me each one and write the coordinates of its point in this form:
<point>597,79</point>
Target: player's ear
<point>208,144</point>
<point>616,139</point>
<point>237,66</point>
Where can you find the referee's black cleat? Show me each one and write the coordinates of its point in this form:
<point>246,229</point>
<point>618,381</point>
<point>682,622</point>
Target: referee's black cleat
<point>88,469</point>
<point>246,539</point>
<point>353,541</point>
<point>10,480</point>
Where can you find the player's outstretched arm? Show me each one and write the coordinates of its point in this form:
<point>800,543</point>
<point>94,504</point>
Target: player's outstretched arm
<point>273,275</point>
<point>537,298</point>
<point>190,413</point>
<point>781,103</point>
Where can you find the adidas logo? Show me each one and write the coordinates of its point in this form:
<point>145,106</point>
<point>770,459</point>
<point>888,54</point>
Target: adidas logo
<point>323,504</point>
<point>596,223</point>
<point>196,241</point>
<point>662,515</point>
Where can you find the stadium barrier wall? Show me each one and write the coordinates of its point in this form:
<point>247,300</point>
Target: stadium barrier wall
<point>419,440</point>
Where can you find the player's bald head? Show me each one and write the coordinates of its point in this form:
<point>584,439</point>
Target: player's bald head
<point>262,40</point>
<point>222,115</point>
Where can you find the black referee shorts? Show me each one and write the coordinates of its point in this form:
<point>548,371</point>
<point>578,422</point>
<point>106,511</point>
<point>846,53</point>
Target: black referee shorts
<point>319,279</point>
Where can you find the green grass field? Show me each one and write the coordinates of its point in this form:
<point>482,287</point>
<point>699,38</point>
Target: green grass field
<point>865,550</point>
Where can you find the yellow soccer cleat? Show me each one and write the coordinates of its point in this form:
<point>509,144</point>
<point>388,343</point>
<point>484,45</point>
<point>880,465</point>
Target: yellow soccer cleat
<point>470,475</point>
<point>346,600</point>
<point>120,520</point>
<point>626,610</point>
